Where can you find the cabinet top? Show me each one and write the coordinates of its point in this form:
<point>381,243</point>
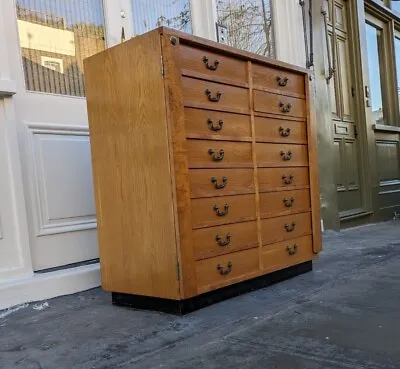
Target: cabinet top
<point>229,50</point>
<point>177,37</point>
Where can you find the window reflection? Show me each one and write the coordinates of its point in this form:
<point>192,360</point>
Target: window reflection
<point>249,24</point>
<point>150,14</point>
<point>374,47</point>
<point>395,5</point>
<point>55,36</point>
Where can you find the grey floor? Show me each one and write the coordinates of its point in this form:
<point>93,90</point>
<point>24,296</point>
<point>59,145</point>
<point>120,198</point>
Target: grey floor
<point>343,314</point>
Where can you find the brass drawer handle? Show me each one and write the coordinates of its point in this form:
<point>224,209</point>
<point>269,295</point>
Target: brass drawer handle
<point>287,179</point>
<point>288,202</point>
<point>217,185</point>
<point>284,132</point>
<point>210,66</point>
<point>216,157</point>
<point>213,127</point>
<point>292,249</point>
<point>219,212</point>
<point>285,108</point>
<point>290,227</point>
<point>286,155</point>
<point>225,242</point>
<point>282,81</point>
<point>223,271</point>
<point>213,98</point>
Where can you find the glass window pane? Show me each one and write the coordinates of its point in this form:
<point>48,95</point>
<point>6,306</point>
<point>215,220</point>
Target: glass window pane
<point>150,14</point>
<point>55,36</point>
<point>395,5</point>
<point>374,47</point>
<point>249,24</point>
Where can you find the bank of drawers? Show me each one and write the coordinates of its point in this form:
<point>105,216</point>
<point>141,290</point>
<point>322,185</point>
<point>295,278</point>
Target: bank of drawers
<point>227,234</point>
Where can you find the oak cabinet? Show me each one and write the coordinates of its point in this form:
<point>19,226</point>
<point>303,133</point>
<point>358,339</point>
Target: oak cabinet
<point>204,167</point>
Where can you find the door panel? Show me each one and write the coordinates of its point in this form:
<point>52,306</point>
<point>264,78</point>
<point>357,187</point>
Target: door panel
<point>338,165</point>
<point>345,73</point>
<point>333,86</point>
<point>344,120</point>
<point>53,39</point>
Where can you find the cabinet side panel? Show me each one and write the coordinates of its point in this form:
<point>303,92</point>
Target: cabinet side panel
<point>313,167</point>
<point>176,124</point>
<point>131,169</point>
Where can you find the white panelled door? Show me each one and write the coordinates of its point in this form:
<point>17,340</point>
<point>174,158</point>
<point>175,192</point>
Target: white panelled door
<point>47,45</point>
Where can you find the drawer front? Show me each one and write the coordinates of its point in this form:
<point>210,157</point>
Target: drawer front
<point>220,182</point>
<point>215,66</point>
<point>284,202</point>
<point>284,228</point>
<point>217,125</point>
<point>222,210</point>
<point>277,130</point>
<point>266,102</point>
<point>281,155</point>
<point>215,96</point>
<point>219,154</point>
<point>214,241</point>
<point>278,80</point>
<point>226,269</point>
<point>270,179</point>
<point>286,253</point>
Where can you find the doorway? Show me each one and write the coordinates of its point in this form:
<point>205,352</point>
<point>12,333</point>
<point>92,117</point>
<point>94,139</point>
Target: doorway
<point>346,119</point>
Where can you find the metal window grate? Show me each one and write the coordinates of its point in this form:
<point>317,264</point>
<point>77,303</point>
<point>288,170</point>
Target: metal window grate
<point>55,36</point>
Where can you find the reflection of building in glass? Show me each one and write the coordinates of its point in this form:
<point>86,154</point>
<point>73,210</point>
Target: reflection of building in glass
<point>249,24</point>
<point>150,14</point>
<point>53,51</point>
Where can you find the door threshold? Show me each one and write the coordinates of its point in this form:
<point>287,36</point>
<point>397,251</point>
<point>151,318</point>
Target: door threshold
<point>354,214</point>
<point>67,266</point>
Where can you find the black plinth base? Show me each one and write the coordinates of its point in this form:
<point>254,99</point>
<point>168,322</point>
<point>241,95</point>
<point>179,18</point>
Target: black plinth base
<point>181,307</point>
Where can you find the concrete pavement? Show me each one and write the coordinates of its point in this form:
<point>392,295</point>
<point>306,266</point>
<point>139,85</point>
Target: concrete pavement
<point>343,314</point>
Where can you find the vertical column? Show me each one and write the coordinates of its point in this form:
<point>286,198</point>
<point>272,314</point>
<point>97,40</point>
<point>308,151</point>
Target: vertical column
<point>117,15</point>
<point>204,18</point>
<point>288,28</point>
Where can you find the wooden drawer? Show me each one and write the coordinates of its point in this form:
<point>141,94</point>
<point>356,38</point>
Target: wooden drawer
<point>286,253</point>
<point>267,102</point>
<point>280,81</point>
<point>273,179</point>
<point>273,204</point>
<point>219,154</point>
<point>217,125</point>
<point>277,130</point>
<point>281,155</point>
<point>211,65</point>
<point>284,228</point>
<point>215,96</point>
<point>214,241</point>
<point>220,182</point>
<point>213,211</point>
<point>226,269</point>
